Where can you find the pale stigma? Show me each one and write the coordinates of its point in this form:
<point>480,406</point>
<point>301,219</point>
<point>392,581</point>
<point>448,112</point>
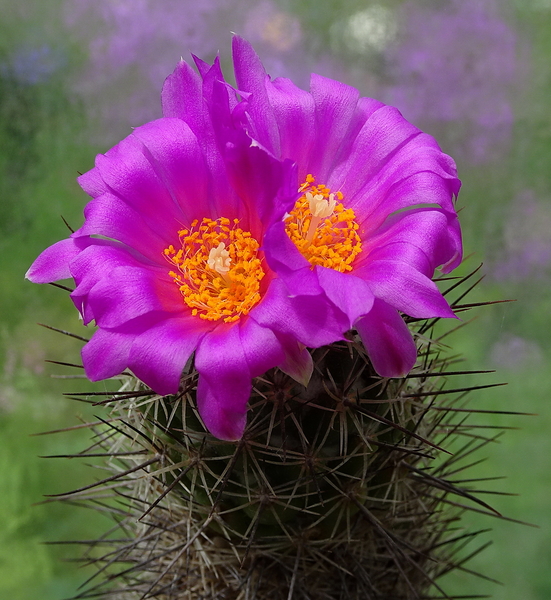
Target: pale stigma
<point>219,259</point>
<point>321,208</point>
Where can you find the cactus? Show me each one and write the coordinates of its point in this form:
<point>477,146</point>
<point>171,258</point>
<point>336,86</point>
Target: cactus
<point>259,263</point>
<point>347,488</point>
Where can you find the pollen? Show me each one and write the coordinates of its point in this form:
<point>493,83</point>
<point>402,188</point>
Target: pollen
<point>325,232</point>
<point>217,269</point>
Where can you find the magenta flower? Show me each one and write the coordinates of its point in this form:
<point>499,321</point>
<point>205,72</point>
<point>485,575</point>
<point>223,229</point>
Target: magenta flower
<point>169,260</point>
<point>375,217</point>
<point>201,237</point>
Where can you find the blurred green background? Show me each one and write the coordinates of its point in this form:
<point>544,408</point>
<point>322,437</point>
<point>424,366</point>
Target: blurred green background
<point>76,75</point>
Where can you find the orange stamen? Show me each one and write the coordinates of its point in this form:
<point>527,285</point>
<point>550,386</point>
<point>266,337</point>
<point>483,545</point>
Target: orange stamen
<point>218,269</point>
<point>322,229</point>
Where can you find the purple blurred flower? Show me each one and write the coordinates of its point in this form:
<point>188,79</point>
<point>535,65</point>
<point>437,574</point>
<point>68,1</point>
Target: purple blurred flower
<point>278,36</point>
<point>169,260</point>
<point>267,24</point>
<point>145,33</point>
<point>33,65</point>
<point>375,218</point>
<point>457,63</point>
<point>525,252</point>
<point>130,46</point>
<point>516,353</point>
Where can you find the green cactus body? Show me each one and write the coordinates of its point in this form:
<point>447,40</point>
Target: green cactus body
<point>336,491</point>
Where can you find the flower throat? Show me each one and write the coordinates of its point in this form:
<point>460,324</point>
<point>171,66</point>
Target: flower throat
<point>218,269</point>
<point>322,229</point>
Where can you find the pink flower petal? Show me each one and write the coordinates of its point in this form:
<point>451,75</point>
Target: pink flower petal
<point>176,159</point>
<point>351,294</point>
<point>251,77</point>
<point>225,382</point>
<point>423,238</point>
<point>131,292</point>
<point>298,362</point>
<point>159,354</point>
<point>92,183</point>
<point>294,111</point>
<point>182,97</point>
<point>157,170</point>
<point>312,319</point>
<point>335,107</point>
<point>106,354</point>
<point>227,359</point>
<point>261,348</point>
<point>113,218</point>
<point>282,255</point>
<point>54,263</point>
<point>406,289</point>
<point>387,340</point>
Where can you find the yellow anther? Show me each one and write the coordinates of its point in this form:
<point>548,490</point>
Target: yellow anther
<point>322,229</point>
<point>219,271</point>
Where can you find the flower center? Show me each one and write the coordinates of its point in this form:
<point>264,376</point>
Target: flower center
<point>322,229</point>
<point>218,269</point>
